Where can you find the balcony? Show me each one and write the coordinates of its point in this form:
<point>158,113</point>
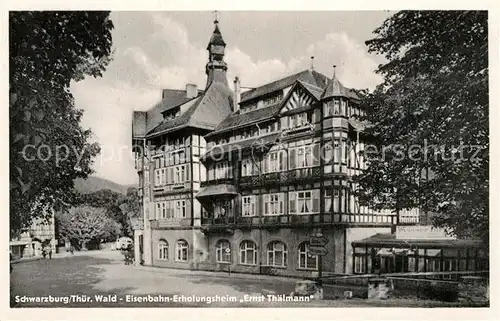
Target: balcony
<point>293,176</point>
<point>296,221</point>
<point>169,223</point>
<point>172,189</point>
<point>217,181</point>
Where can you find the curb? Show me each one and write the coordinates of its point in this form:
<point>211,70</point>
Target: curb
<point>233,275</point>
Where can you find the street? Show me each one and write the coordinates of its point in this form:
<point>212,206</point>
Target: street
<point>87,278</point>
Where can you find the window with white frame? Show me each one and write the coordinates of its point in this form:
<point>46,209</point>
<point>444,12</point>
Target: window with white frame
<point>327,109</point>
<point>273,204</point>
<point>181,251</point>
<point>247,167</point>
<point>163,250</point>
<point>274,161</point>
<point>180,174</point>
<point>248,205</point>
<point>222,170</point>
<point>276,254</point>
<point>180,209</point>
<point>304,202</point>
<point>248,253</point>
<point>223,251</point>
<point>306,259</point>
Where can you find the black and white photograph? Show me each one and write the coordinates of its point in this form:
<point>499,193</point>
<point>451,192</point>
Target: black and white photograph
<point>249,159</point>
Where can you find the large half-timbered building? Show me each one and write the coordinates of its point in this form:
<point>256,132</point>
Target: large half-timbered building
<point>241,180</point>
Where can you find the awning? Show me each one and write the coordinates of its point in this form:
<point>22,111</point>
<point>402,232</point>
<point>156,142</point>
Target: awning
<point>221,189</point>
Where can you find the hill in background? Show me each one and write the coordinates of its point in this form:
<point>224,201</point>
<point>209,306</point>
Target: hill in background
<point>93,184</point>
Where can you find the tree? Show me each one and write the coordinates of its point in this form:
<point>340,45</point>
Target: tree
<point>430,116</point>
<point>130,205</point>
<point>85,224</point>
<point>48,147</point>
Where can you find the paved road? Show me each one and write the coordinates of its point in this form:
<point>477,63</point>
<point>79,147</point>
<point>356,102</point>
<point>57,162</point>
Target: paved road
<point>84,278</point>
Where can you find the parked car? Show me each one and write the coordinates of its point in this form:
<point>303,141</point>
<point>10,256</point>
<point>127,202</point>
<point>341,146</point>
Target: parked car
<point>123,243</point>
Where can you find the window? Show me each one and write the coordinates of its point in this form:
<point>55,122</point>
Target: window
<point>223,251</point>
<point>163,250</point>
<point>180,174</point>
<point>247,167</point>
<point>336,107</point>
<point>327,109</point>
<point>275,162</point>
<point>180,209</point>
<point>304,202</point>
<point>328,153</point>
<point>359,264</point>
<point>222,208</point>
<point>248,253</point>
<point>248,206</point>
<point>276,254</point>
<point>223,170</point>
<point>303,157</point>
<point>181,251</point>
<point>157,177</point>
<point>328,200</point>
<point>298,120</point>
<point>306,260</point>
<point>273,204</point>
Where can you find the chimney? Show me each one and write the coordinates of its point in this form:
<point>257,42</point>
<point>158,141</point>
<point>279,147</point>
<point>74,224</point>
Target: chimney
<point>237,93</point>
<point>191,91</point>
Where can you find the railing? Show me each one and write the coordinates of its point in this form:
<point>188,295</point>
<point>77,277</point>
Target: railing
<point>217,181</point>
<point>316,219</point>
<point>299,175</point>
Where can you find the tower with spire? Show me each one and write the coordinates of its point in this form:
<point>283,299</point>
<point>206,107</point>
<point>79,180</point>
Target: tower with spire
<point>216,66</point>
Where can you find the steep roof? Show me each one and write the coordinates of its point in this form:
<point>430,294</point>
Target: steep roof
<point>216,38</point>
<point>336,89</point>
<point>205,111</point>
<point>308,76</point>
<point>172,98</point>
<point>237,120</point>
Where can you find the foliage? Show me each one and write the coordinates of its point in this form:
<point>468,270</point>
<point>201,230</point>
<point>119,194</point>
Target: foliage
<point>120,208</point>
<point>85,224</point>
<point>434,97</point>
<point>47,51</point>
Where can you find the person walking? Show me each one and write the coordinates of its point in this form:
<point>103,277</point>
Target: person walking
<point>44,253</point>
<point>72,249</point>
<point>50,254</point>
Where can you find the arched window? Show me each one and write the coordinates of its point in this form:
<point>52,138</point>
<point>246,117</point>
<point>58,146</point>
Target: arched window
<point>248,253</point>
<point>223,251</point>
<point>276,254</point>
<point>163,250</point>
<point>306,260</point>
<point>181,251</point>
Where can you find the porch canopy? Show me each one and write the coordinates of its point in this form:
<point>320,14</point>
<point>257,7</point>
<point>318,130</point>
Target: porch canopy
<point>389,241</point>
<point>215,190</point>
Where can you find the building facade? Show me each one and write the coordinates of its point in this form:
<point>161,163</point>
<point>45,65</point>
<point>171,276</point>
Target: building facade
<point>240,181</point>
<point>32,240</point>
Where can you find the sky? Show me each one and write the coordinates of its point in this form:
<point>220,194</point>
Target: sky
<point>157,50</point>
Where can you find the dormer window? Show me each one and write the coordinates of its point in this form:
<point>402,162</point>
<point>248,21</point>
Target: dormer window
<point>171,114</point>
